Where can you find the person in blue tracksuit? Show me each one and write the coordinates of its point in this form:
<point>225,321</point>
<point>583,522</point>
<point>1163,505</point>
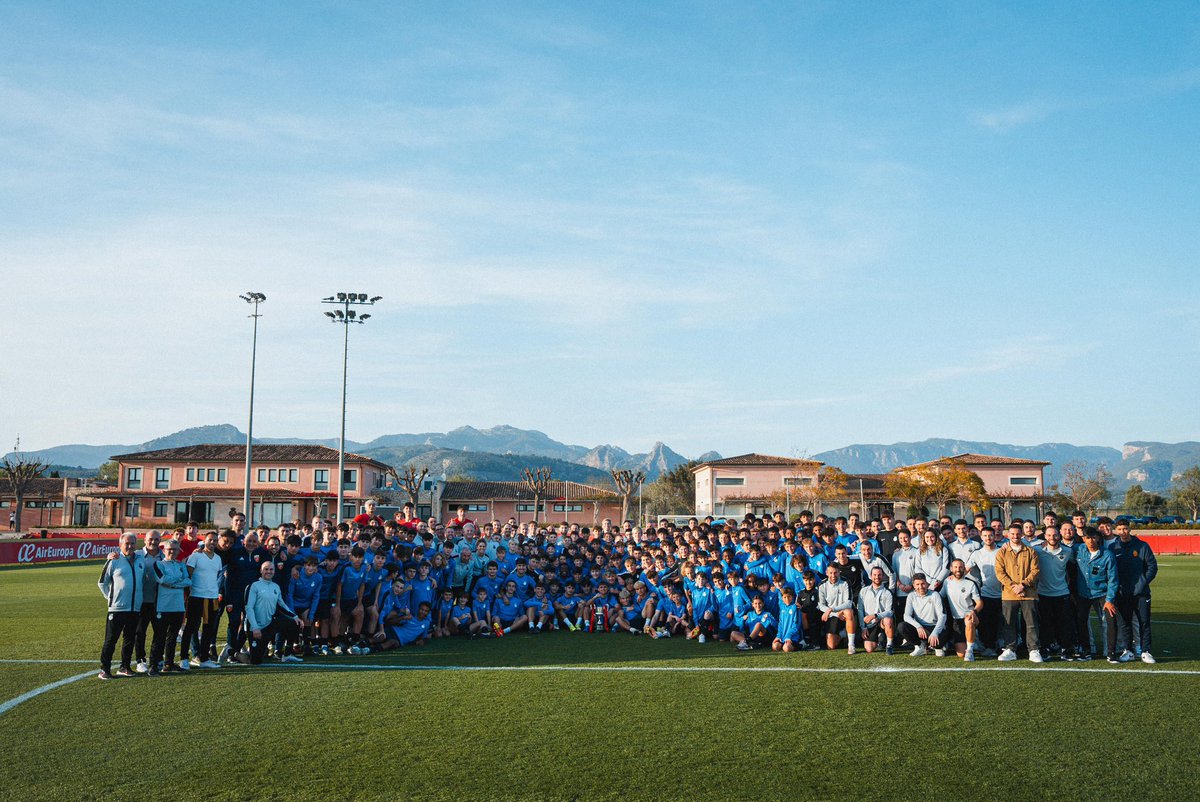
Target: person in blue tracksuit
<point>304,594</point>
<point>413,630</point>
<point>787,635</point>
<point>1136,569</point>
<point>702,604</point>
<point>122,581</point>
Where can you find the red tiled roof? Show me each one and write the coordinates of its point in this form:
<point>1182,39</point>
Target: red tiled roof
<point>511,491</point>
<point>234,493</point>
<point>984,459</point>
<point>37,488</point>
<point>261,452</point>
<point>756,460</point>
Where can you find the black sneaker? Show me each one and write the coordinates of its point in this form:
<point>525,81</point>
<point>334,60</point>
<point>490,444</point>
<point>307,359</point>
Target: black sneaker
<point>891,650</point>
<point>103,675</point>
<point>1083,657</point>
<point>124,671</point>
<point>154,672</point>
<point>1112,658</point>
<point>171,668</point>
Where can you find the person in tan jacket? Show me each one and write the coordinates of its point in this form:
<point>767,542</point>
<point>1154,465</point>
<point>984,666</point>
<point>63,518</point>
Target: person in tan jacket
<point>1017,573</point>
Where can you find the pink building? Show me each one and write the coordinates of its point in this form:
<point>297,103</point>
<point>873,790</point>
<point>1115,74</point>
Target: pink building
<point>749,483</point>
<point>205,482</point>
<point>1016,487</point>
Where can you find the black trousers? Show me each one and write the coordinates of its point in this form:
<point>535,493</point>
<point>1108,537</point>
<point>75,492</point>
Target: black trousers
<point>123,626</point>
<point>202,619</point>
<point>989,622</point>
<point>281,625</point>
<point>166,627</point>
<point>1129,608</point>
<point>1027,609</point>
<point>145,620</point>
<point>1057,614</point>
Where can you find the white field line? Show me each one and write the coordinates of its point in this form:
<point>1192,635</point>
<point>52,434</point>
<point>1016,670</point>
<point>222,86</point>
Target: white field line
<point>882,669</point>
<point>25,697</point>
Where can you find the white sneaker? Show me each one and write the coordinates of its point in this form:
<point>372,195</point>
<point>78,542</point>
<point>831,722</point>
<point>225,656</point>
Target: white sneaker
<point>918,651</point>
<point>1007,656</point>
<point>850,649</point>
<point>142,667</point>
<point>969,657</point>
<point>210,664</point>
<point>1035,656</point>
<point>939,652</point>
<point>1126,657</point>
<point>744,647</point>
<point>223,657</point>
<point>1148,658</point>
<point>703,639</point>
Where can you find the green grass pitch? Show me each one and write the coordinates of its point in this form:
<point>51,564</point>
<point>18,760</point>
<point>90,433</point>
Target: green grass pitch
<point>591,717</point>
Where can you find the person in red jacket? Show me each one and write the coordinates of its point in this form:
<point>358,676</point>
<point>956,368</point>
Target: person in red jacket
<point>406,519</point>
<point>368,517</point>
<point>460,518</point>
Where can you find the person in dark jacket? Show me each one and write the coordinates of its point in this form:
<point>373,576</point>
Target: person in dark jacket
<point>1136,569</point>
<point>122,581</point>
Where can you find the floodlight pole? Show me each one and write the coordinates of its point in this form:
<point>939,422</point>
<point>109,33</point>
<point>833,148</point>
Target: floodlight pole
<point>255,298</point>
<point>346,316</point>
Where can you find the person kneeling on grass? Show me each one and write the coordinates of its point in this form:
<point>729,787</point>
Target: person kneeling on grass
<point>412,630</point>
<point>267,614</point>
<point>875,611</point>
<point>924,618</point>
<point>836,606</point>
<point>759,628</point>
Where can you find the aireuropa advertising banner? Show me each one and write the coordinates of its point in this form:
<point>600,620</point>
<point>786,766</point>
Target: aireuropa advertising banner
<point>18,552</point>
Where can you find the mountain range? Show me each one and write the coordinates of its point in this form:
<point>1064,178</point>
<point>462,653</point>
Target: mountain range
<point>501,452</point>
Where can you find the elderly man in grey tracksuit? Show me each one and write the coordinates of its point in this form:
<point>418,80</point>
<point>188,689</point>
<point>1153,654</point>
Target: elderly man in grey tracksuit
<point>122,582</point>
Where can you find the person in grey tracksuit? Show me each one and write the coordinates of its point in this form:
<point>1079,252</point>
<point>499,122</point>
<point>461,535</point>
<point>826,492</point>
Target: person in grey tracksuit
<point>172,579</point>
<point>122,581</point>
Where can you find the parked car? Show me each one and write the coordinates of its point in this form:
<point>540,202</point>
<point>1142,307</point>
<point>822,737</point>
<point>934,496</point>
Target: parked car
<point>1171,519</point>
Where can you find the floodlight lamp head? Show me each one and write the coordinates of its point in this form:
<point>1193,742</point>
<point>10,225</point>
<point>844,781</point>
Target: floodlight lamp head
<point>331,316</point>
<point>244,298</point>
<point>363,317</point>
<point>341,296</point>
<point>351,314</point>
<point>339,314</point>
<point>330,298</point>
<point>376,298</point>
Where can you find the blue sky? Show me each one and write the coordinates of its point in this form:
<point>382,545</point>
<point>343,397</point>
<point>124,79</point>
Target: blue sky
<point>770,227</point>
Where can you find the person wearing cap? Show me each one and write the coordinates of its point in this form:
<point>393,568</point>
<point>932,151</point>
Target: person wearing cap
<point>122,581</point>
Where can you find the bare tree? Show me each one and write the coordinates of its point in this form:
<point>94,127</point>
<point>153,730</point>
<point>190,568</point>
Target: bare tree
<point>1083,486</point>
<point>19,471</point>
<point>1185,491</point>
<point>410,478</point>
<point>627,483</point>
<point>536,482</point>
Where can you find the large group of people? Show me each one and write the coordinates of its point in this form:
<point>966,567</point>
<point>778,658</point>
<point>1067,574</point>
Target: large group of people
<point>972,589</point>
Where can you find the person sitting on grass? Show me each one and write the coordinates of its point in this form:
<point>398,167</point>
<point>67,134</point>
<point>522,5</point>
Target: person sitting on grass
<point>702,607</point>
<point>670,618</point>
<point>964,603</point>
<point>508,612</point>
<point>924,618</point>
<point>267,614</point>
<point>539,609</point>
<point>759,628</point>
<point>408,630</point>
<point>837,607</point>
<point>566,608</point>
<point>787,636</point>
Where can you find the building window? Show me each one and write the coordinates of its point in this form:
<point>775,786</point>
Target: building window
<point>160,509</point>
<point>321,479</point>
<point>529,508</point>
<point>262,474</point>
<point>349,511</point>
<point>221,474</point>
<point>797,481</point>
<point>730,480</point>
<point>293,474</point>
<point>191,474</point>
<point>162,478</point>
<point>272,475</point>
<point>131,508</point>
<point>1022,480</point>
<point>350,479</point>
<point>5,503</point>
<point>133,478</point>
<point>573,508</point>
<point>427,485</point>
<point>476,507</point>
